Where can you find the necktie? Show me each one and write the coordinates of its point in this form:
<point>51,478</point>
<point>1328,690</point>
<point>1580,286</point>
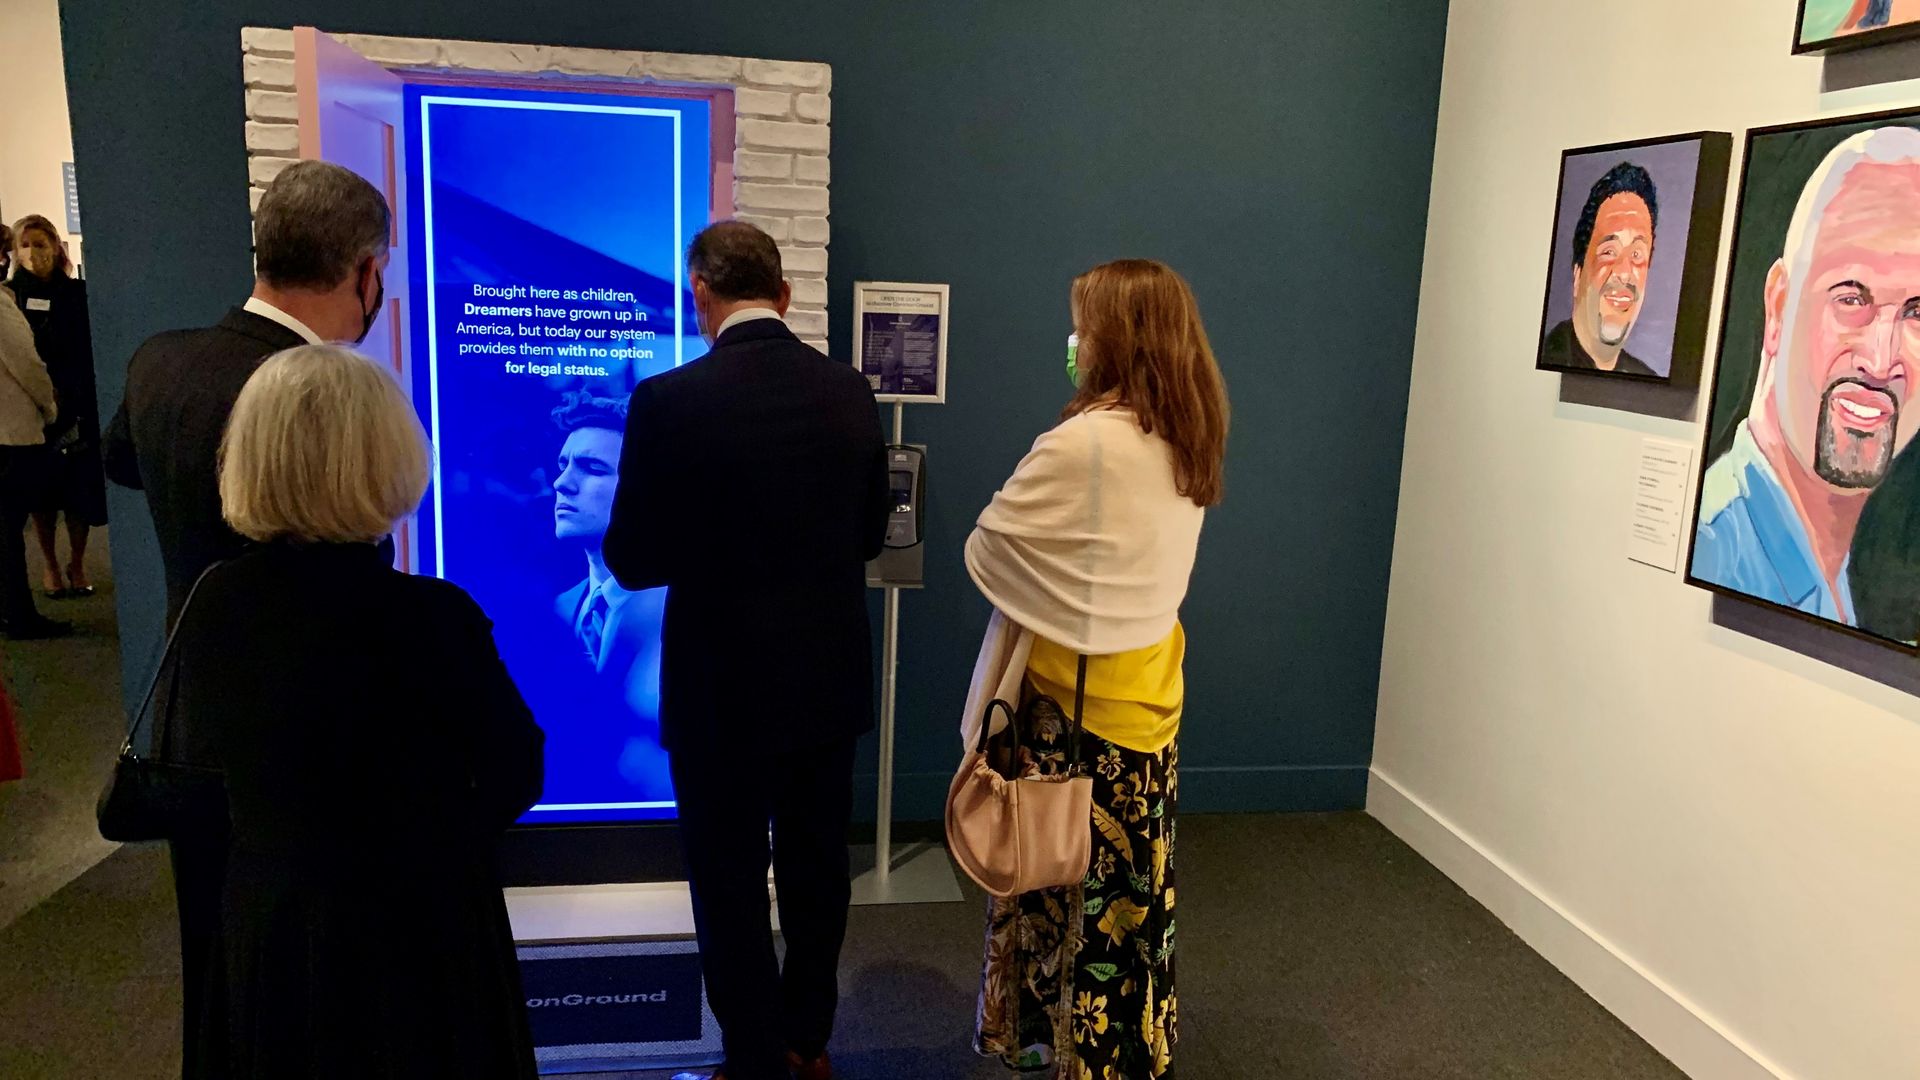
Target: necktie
<point>593,627</point>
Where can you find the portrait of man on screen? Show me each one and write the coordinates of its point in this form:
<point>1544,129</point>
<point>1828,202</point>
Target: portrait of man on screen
<point>616,630</point>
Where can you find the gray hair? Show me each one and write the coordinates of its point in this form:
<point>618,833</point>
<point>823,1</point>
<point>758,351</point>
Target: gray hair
<point>316,224</point>
<point>322,446</point>
<point>737,261</point>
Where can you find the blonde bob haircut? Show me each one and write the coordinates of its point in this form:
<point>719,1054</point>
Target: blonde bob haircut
<point>323,447</point>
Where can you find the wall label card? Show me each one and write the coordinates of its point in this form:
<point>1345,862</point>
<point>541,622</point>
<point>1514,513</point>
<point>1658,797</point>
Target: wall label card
<point>72,191</point>
<point>900,340</point>
<point>1659,503</point>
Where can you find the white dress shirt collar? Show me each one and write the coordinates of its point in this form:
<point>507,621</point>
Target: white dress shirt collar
<point>745,315</point>
<point>268,311</point>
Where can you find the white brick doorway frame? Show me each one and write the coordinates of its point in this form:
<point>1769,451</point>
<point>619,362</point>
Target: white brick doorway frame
<point>782,125</point>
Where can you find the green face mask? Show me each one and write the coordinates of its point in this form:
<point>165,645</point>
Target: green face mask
<point>1073,360</point>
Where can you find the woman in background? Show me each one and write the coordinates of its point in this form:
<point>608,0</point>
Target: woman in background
<point>374,749</point>
<point>55,304</point>
<point>1086,552</point>
<point>27,406</point>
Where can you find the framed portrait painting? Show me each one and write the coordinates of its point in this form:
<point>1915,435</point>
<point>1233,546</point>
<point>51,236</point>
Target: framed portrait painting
<point>1630,278</point>
<point>1833,25</point>
<point>1809,496</point>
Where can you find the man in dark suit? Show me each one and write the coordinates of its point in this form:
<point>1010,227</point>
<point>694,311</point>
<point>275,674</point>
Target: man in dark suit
<point>753,486</point>
<point>320,245</point>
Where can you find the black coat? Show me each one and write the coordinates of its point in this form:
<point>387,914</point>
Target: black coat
<point>374,748</point>
<point>56,308</point>
<point>753,484</point>
<point>181,386</point>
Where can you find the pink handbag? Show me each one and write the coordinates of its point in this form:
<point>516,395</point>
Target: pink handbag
<point>1033,832</point>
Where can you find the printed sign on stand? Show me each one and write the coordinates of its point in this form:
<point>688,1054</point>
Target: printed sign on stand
<point>900,340</point>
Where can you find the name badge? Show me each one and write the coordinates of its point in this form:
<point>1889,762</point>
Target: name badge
<point>38,303</point>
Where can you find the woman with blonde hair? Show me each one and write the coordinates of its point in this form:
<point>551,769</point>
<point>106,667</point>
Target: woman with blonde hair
<point>1085,554</point>
<point>373,748</point>
<point>54,302</point>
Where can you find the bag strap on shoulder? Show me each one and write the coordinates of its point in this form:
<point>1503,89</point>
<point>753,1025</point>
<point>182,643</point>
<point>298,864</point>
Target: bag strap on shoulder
<point>160,671</point>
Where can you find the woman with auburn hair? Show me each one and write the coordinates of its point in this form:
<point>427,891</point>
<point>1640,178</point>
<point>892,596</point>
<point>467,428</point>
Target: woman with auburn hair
<point>374,749</point>
<point>1085,554</point>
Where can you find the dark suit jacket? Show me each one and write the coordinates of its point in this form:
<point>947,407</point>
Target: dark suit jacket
<point>753,484</point>
<point>181,386</point>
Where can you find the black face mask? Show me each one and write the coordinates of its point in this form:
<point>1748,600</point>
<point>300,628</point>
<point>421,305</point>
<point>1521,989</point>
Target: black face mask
<point>368,317</point>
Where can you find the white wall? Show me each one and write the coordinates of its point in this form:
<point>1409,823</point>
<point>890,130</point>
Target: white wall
<point>35,136</point>
<point>1717,836</point>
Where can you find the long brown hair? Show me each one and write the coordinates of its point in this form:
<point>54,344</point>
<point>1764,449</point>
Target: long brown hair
<point>1143,347</point>
<point>62,264</point>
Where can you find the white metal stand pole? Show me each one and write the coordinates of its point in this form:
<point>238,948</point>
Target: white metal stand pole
<point>889,685</point>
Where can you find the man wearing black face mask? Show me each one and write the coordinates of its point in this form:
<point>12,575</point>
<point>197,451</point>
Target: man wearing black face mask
<point>320,247</point>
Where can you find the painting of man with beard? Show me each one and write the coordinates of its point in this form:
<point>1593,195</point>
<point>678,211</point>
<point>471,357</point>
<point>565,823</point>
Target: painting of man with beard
<point>1837,315</point>
<point>1627,289</point>
<point>1614,246</point>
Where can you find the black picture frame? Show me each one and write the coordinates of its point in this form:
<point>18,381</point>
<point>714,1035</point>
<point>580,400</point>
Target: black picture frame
<point>1886,35</point>
<point>1707,430</point>
<point>1705,218</point>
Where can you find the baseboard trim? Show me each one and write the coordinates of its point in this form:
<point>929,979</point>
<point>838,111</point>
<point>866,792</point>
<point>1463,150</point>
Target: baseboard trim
<point>1692,1039</point>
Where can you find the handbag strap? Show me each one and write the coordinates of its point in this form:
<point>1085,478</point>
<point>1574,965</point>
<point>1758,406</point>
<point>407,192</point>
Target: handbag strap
<point>166,654</point>
<point>1013,721</point>
<point>986,725</point>
<point>1079,707</point>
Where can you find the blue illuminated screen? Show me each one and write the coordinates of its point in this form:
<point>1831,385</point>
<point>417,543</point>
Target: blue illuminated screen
<point>546,253</point>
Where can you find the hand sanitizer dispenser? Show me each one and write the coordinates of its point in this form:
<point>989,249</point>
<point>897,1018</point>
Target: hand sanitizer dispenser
<point>902,564</point>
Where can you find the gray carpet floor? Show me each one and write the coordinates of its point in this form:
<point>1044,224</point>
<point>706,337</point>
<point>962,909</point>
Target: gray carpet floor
<point>1313,947</point>
<point>67,696</point>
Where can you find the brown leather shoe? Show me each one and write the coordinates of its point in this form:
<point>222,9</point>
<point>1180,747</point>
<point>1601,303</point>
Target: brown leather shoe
<point>820,1068</point>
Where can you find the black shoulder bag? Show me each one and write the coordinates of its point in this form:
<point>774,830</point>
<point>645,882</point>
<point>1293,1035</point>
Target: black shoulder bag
<point>151,798</point>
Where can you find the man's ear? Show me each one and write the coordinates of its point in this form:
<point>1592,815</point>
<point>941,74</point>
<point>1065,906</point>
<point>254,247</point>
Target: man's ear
<point>1775,305</point>
<point>786,299</point>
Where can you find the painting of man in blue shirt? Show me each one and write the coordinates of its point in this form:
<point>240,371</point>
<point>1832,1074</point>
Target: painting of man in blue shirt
<point>1842,333</point>
<point>617,630</point>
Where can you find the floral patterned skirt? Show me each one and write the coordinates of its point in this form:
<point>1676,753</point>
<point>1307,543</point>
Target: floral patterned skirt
<point>1079,980</point>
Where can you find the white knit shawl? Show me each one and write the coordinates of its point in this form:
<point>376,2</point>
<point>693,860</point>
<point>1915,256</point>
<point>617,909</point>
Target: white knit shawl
<point>1088,545</point>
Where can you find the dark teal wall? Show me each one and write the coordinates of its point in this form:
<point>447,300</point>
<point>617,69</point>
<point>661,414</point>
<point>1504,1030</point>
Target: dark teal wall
<point>1277,152</point>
